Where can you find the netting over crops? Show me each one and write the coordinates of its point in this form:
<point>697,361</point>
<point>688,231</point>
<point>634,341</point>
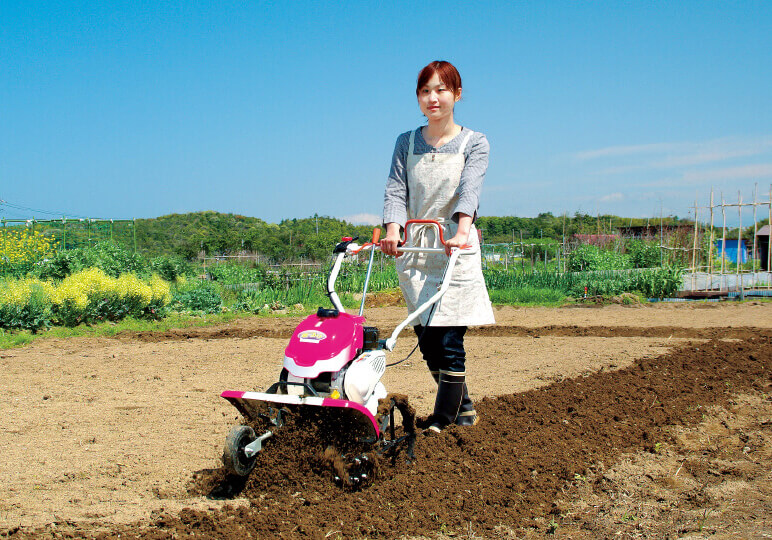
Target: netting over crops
<point>25,242</point>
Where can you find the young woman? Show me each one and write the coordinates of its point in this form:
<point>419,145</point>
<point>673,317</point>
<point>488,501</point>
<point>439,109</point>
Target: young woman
<point>437,173</point>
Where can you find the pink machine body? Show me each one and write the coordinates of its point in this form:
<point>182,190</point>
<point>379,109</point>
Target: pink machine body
<point>319,344</point>
<point>323,344</point>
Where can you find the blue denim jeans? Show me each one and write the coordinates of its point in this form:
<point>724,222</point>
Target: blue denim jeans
<point>442,347</point>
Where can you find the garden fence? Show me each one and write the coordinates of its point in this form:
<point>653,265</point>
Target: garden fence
<point>65,233</point>
<point>720,263</point>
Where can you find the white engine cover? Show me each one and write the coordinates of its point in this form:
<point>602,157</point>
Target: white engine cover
<point>378,394</point>
<point>363,375</point>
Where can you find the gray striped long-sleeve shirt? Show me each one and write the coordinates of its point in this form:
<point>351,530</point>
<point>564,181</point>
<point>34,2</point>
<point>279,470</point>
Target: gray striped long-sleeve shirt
<point>469,188</point>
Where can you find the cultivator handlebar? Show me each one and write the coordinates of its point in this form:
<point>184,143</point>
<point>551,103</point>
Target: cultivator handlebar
<point>392,341</point>
<point>349,247</point>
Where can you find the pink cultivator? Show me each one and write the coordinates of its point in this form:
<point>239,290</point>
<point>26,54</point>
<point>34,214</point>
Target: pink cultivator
<point>333,366</point>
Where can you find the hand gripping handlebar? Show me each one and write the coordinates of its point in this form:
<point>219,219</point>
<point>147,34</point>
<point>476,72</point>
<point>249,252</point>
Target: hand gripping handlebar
<point>404,246</point>
<point>352,248</point>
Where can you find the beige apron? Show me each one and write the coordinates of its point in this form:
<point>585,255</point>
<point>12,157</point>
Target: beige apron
<point>432,181</point>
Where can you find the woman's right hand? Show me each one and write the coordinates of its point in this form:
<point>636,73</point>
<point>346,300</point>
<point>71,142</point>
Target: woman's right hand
<point>389,244</point>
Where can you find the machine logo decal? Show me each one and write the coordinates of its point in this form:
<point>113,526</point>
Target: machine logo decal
<point>311,336</point>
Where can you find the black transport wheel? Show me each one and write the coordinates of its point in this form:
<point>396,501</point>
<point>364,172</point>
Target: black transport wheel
<point>283,378</point>
<point>234,458</point>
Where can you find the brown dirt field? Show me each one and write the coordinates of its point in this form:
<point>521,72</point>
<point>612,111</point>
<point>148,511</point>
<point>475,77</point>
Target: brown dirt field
<point>121,436</point>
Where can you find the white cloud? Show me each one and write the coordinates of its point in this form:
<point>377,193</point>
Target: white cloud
<point>704,157</point>
<point>677,154</point>
<point>752,172</point>
<point>616,151</point>
<point>363,219</point>
<point>612,197</point>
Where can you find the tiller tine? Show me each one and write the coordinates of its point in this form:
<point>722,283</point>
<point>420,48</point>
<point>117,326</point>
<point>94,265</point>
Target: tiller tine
<point>389,445</point>
<point>352,472</point>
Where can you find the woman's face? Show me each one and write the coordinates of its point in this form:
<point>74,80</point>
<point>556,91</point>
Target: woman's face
<point>436,99</point>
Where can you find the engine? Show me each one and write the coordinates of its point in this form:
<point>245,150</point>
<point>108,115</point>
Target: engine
<point>359,381</point>
<point>362,376</point>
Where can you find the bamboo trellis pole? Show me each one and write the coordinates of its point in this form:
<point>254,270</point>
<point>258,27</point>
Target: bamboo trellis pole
<point>723,243</point>
<point>739,241</point>
<point>661,242</point>
<point>755,227</point>
<point>754,247</point>
<point>710,248</point>
<point>694,243</point>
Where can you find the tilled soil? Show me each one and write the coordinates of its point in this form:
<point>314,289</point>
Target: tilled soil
<point>507,470</point>
<point>712,479</point>
<point>506,476</point>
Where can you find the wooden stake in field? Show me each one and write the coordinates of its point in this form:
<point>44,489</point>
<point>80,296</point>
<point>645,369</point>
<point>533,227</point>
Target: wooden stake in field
<point>769,237</point>
<point>723,243</point>
<point>661,241</point>
<point>694,244</point>
<point>739,241</point>
<point>712,239</point>
<point>755,227</point>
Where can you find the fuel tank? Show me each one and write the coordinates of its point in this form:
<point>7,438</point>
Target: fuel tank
<point>323,344</point>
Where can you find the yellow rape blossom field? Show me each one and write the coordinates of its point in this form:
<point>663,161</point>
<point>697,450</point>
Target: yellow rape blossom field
<point>23,247</point>
<point>87,296</point>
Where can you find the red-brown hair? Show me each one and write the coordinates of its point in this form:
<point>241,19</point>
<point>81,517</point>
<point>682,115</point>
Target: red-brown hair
<point>447,73</point>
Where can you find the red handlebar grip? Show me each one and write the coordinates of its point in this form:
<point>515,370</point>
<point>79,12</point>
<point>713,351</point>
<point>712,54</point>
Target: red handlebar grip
<point>376,235</point>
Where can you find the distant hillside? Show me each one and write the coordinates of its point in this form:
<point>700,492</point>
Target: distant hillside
<point>309,238</point>
<point>312,238</point>
<point>546,225</point>
<point>216,233</point>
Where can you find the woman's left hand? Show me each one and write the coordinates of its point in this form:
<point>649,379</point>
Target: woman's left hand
<point>458,241</point>
<point>462,233</point>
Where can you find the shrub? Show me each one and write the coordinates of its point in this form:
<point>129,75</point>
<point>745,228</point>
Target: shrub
<point>92,295</point>
<point>21,248</point>
<point>109,257</point>
<point>588,257</point>
<point>171,268</point>
<point>25,304</point>
<point>201,296</point>
<point>57,267</point>
<point>84,297</point>
<point>643,254</point>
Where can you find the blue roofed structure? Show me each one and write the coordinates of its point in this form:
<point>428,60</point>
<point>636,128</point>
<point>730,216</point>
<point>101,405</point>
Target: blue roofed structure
<point>730,250</point>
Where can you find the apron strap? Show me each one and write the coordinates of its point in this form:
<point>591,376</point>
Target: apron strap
<point>412,143</point>
<point>466,140</point>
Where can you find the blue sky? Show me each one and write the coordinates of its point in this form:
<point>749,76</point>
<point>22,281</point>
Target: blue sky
<point>287,109</point>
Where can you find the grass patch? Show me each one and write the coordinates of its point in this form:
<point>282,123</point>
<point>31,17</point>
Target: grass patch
<point>528,296</point>
<point>20,338</point>
<point>9,340</point>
